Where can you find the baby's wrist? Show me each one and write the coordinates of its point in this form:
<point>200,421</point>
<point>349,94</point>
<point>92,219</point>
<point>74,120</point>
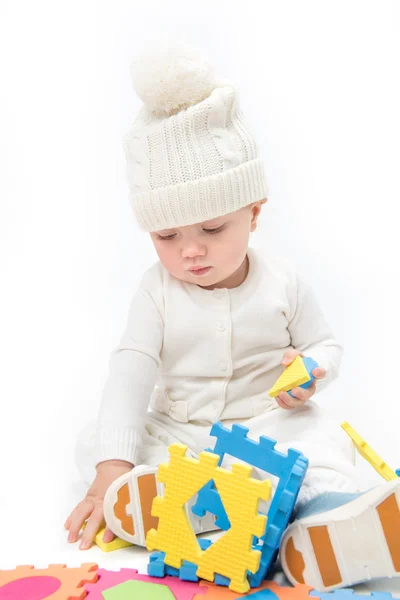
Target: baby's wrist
<point>107,464</point>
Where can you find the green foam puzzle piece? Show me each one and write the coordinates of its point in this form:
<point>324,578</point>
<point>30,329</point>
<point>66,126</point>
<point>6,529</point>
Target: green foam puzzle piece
<point>142,590</point>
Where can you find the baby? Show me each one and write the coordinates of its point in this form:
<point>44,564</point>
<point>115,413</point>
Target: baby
<point>210,329</point>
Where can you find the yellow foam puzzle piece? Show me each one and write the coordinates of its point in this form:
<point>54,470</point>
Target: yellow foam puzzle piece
<point>115,544</point>
<point>232,554</point>
<point>183,477</point>
<point>366,452</point>
<point>294,375</point>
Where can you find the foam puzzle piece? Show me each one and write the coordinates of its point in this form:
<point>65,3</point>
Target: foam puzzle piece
<point>268,590</point>
<point>182,479</point>
<point>181,590</point>
<point>232,554</point>
<point>187,571</point>
<point>115,544</point>
<point>296,374</point>
<point>65,583</point>
<point>290,468</point>
<point>366,452</point>
<point>139,589</point>
<point>298,592</point>
<point>264,595</point>
<point>309,364</point>
<point>157,566</point>
<point>30,587</point>
<point>348,594</point>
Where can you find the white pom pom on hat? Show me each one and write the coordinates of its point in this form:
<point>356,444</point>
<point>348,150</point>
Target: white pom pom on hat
<point>170,76</point>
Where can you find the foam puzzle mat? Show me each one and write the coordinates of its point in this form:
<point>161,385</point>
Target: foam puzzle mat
<point>58,582</point>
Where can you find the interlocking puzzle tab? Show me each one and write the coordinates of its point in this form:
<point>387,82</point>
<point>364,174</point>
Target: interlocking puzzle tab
<point>297,374</point>
<point>232,555</point>
<point>366,452</point>
<point>290,468</point>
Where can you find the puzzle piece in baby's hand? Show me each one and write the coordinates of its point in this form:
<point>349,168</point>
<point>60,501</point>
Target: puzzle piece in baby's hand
<point>297,374</point>
<point>310,365</point>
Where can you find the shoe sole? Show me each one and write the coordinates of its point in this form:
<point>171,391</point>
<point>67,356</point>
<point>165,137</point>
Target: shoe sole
<point>356,542</point>
<point>128,502</point>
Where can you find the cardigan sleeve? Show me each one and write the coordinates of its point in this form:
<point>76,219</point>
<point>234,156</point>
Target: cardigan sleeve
<point>133,368</point>
<point>310,332</point>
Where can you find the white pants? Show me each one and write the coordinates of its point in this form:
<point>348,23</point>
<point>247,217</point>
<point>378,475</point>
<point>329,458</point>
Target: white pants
<point>309,429</point>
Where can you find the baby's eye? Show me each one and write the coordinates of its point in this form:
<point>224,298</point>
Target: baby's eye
<point>168,237</point>
<point>217,230</point>
<point>173,235</point>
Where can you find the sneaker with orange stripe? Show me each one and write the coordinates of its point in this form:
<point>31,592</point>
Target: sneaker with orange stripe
<point>127,506</point>
<point>355,542</point>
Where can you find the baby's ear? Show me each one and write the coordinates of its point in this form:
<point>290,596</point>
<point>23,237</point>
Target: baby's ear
<point>256,209</point>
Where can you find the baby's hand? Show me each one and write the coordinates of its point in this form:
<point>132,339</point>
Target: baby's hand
<point>91,507</point>
<point>301,395</point>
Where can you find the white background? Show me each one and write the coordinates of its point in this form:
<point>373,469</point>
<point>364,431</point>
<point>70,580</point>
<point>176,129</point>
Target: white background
<point>319,85</point>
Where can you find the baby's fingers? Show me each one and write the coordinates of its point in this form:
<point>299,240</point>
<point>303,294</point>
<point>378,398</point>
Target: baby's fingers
<point>303,394</point>
<point>77,518</point>
<point>289,355</point>
<point>94,523</point>
<point>282,403</point>
<point>70,519</point>
<point>319,372</point>
<point>108,536</point>
<point>291,402</point>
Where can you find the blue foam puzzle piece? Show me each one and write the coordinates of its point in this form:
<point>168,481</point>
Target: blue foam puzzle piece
<point>187,572</point>
<point>208,500</point>
<point>290,468</point>
<point>263,595</point>
<point>348,594</point>
<point>398,472</point>
<point>309,364</point>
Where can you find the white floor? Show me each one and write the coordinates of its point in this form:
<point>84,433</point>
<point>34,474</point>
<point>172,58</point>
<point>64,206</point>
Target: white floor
<point>34,504</point>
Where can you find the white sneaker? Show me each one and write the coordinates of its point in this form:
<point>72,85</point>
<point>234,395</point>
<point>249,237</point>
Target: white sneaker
<point>128,501</point>
<point>355,542</point>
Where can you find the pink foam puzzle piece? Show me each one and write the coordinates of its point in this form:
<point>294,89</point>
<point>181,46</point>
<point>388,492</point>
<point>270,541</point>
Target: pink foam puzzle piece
<point>32,588</point>
<point>57,582</point>
<point>182,590</point>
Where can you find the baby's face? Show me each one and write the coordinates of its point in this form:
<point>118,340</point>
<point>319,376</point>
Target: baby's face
<point>219,244</point>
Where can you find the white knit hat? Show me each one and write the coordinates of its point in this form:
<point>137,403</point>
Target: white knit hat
<point>190,155</point>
